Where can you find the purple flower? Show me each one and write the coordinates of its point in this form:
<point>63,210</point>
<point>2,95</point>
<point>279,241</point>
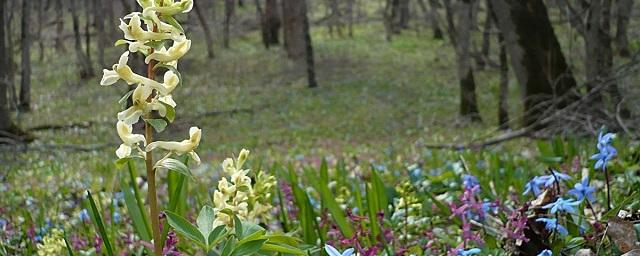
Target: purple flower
<point>606,152</point>
<point>583,190</point>
<point>551,224</point>
<point>562,205</point>
<point>545,252</point>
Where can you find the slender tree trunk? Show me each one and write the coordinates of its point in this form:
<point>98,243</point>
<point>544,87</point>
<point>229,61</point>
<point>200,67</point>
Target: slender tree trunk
<point>431,15</point>
<point>59,41</point>
<point>25,82</point>
<point>624,8</point>
<point>11,63</point>
<point>41,8</point>
<point>269,22</point>
<point>87,29</point>
<point>297,38</point>
<point>208,38</point>
<point>468,99</point>
<point>229,9</point>
<point>405,14</point>
<point>84,66</point>
<point>503,94</point>
<point>5,117</point>
<point>536,57</point>
<point>486,40</point>
<point>350,18</point>
<point>99,20</point>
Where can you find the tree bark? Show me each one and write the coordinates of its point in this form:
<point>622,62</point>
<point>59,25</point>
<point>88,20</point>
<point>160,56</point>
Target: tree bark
<point>5,117</point>
<point>468,99</point>
<point>297,39</point>
<point>208,38</point>
<point>536,57</point>
<point>229,9</point>
<point>99,21</point>
<point>41,8</point>
<point>624,8</point>
<point>84,66</point>
<point>269,22</point>
<point>59,41</point>
<point>486,40</point>
<point>25,37</point>
<point>503,94</point>
<point>87,29</point>
<point>431,17</point>
<point>350,19</point>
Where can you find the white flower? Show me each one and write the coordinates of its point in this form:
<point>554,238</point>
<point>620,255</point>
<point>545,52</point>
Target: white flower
<point>134,30</point>
<point>176,51</point>
<point>172,8</point>
<point>125,132</point>
<point>183,147</point>
<point>132,114</point>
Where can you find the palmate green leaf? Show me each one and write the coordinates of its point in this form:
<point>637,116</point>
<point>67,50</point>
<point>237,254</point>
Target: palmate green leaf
<point>281,248</point>
<point>99,224</point>
<point>175,165</point>
<point>136,214</point>
<point>182,226</point>
<point>205,220</point>
<point>248,248</point>
<point>158,124</point>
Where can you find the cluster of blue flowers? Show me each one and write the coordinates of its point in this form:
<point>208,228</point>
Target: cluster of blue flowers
<point>606,152</point>
<point>545,181</point>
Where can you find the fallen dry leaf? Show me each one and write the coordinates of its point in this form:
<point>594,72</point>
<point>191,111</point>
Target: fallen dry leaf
<point>623,234</point>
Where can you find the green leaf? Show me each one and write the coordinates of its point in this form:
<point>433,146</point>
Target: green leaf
<point>173,22</point>
<point>120,42</point>
<point>182,226</point>
<point>248,248</point>
<point>283,239</point>
<point>237,224</point>
<point>158,124</point>
<point>171,112</point>
<point>251,231</point>
<point>228,247</point>
<point>123,100</point>
<point>329,202</point>
<point>175,165</point>
<point>135,212</point>
<point>66,243</point>
<point>281,248</point>
<point>205,220</point>
<point>99,224</point>
<point>216,235</point>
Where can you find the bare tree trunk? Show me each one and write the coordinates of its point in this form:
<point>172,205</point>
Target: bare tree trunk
<point>624,8</point>
<point>297,39</point>
<point>84,66</point>
<point>350,19</point>
<point>431,15</point>
<point>41,8</point>
<point>208,38</point>
<point>25,37</point>
<point>59,41</point>
<point>5,117</point>
<point>269,22</point>
<point>468,99</point>
<point>503,94</point>
<point>405,14</point>
<point>99,20</point>
<point>229,9</point>
<point>536,57</point>
<point>11,63</point>
<point>87,29</point>
<point>486,40</point>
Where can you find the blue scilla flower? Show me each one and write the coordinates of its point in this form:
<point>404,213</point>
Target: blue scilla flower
<point>84,215</point>
<point>334,252</point>
<point>534,185</point>
<point>562,205</point>
<point>469,181</point>
<point>116,217</point>
<point>583,190</point>
<point>551,224</point>
<point>550,179</point>
<point>469,252</point>
<point>545,252</point>
<point>606,152</point>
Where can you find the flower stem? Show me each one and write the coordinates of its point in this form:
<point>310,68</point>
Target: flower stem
<point>154,213</point>
<point>606,177</point>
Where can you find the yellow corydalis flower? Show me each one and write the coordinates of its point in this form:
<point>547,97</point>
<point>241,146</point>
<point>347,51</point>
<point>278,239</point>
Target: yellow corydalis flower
<point>176,51</point>
<point>182,147</point>
<point>52,244</point>
<point>129,140</point>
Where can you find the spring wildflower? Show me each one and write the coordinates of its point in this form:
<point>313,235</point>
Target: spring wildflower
<point>582,190</point>
<point>562,205</point>
<point>606,152</point>
<point>52,244</point>
<point>534,185</point>
<point>470,181</point>
<point>551,224</point>
<point>555,177</point>
<point>545,252</point>
<point>180,148</point>
<point>469,252</point>
<point>334,252</point>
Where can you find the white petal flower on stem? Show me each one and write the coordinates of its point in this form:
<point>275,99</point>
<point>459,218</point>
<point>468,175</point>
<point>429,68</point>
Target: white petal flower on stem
<point>132,114</point>
<point>134,30</point>
<point>176,51</point>
<point>182,147</point>
<point>173,8</point>
<point>125,132</point>
<point>123,151</point>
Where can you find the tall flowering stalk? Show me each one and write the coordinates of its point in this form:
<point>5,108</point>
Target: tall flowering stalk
<point>150,33</point>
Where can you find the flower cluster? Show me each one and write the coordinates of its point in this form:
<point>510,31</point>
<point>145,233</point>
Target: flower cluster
<point>407,212</point>
<point>52,244</point>
<point>606,152</point>
<point>238,196</point>
<point>545,181</point>
<point>152,98</point>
